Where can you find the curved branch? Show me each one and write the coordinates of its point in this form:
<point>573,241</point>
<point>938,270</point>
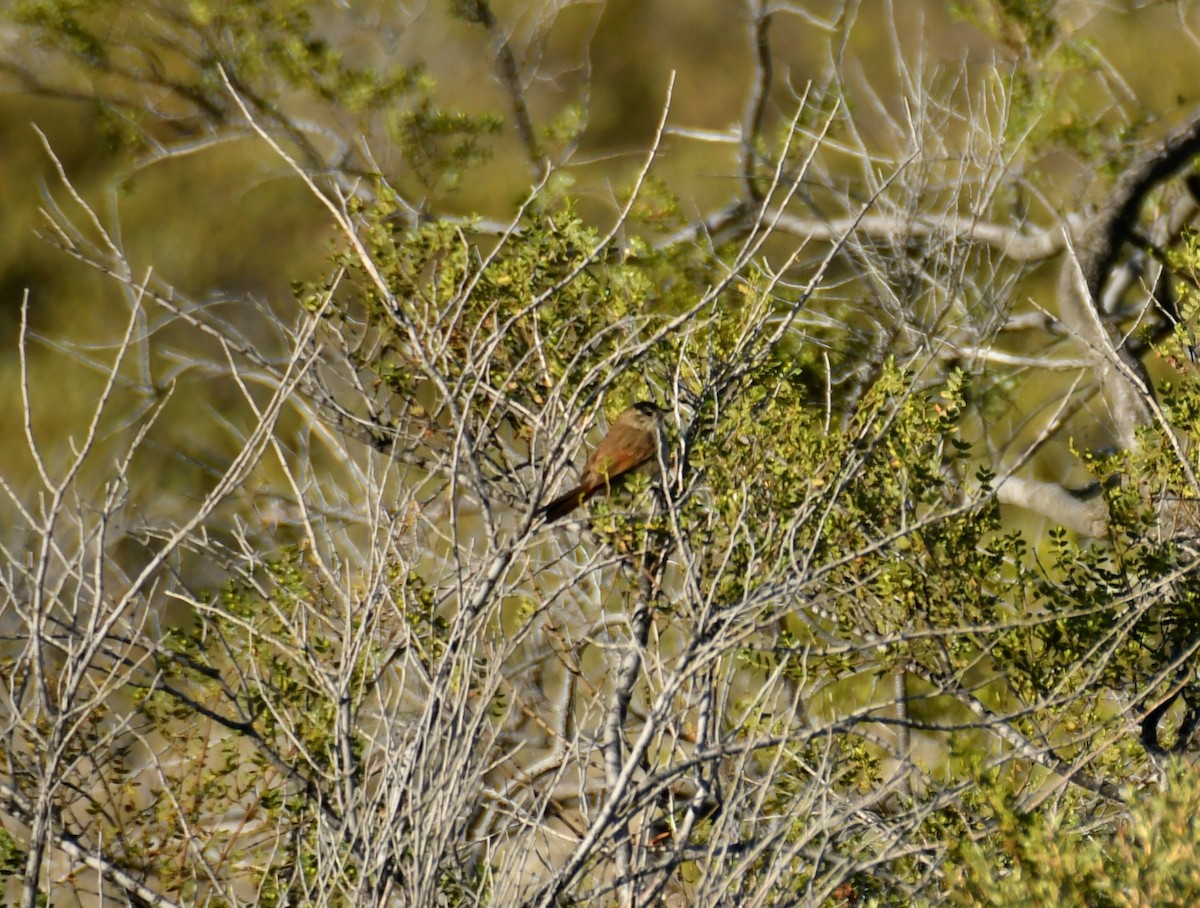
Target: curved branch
<point>1112,228</point>
<point>1088,517</point>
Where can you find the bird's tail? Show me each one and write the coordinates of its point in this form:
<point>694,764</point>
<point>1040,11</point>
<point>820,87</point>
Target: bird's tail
<point>563,505</point>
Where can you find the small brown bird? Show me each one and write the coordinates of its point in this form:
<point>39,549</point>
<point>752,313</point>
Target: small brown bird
<point>630,443</point>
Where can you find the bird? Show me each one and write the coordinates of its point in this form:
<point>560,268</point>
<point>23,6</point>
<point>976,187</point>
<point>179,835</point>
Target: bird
<point>631,443</point>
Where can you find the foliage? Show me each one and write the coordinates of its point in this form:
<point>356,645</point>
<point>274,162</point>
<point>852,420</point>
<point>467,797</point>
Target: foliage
<point>1046,857</point>
<point>825,656</point>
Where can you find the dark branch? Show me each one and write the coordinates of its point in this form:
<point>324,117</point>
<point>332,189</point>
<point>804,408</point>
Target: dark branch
<point>756,107</point>
<point>1113,227</point>
<point>510,78</point>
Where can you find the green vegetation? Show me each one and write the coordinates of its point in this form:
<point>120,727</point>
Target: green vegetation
<point>337,295</point>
